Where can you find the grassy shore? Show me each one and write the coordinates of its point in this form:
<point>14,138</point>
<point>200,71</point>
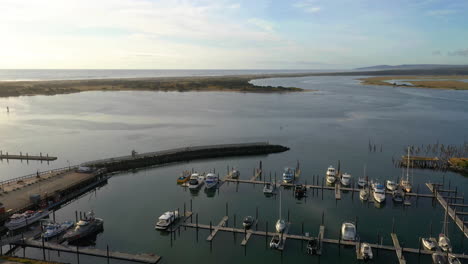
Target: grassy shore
<point>453,82</point>
<point>179,84</point>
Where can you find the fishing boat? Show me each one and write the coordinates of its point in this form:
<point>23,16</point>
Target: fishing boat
<point>84,228</point>
<point>331,175</point>
<point>366,251</point>
<point>275,242</point>
<point>166,219</point>
<point>300,190</point>
<point>444,241</point>
<point>348,231</point>
<point>269,188</point>
<point>439,258</point>
<point>184,177</point>
<point>248,222</point>
<point>453,260</point>
<point>429,243</point>
<point>235,174</point>
<point>55,229</point>
<point>211,181</point>
<point>391,185</point>
<point>288,175</point>
<point>405,182</point>
<point>196,181</point>
<point>364,194</point>
<point>346,179</point>
<point>379,193</point>
<point>29,217</point>
<point>312,246</point>
<point>280,225</point>
<point>398,196</point>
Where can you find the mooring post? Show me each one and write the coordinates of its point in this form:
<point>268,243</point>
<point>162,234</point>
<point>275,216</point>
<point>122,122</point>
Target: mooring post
<point>323,217</point>
<point>76,216</point>
<point>108,259</point>
<point>419,249</point>
<point>53,215</point>
<point>256,213</point>
<point>266,234</point>
<point>356,223</point>
<point>234,223</point>
<point>196,221</point>
<point>43,249</point>
<point>191,210</point>
<point>77,255</point>
<point>185,210</point>
<point>81,218</point>
<point>322,188</point>
<point>430,229</point>
<point>211,228</point>
<point>393,225</point>
<point>288,215</point>
<point>227,209</point>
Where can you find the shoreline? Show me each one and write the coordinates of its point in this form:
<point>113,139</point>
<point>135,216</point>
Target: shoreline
<point>441,82</point>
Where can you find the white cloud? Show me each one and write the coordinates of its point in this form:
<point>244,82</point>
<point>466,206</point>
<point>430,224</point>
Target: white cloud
<point>308,6</point>
<point>262,24</point>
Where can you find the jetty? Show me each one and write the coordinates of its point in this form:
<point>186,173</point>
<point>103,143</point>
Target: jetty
<point>41,157</point>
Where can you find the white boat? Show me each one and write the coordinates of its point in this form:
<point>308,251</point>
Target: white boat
<point>29,217</point>
<point>166,219</point>
<point>362,182</point>
<point>379,193</point>
<point>280,225</point>
<point>429,243</point>
<point>444,241</point>
<point>55,229</point>
<point>269,188</point>
<point>331,175</point>
<point>211,181</point>
<point>366,251</point>
<point>348,231</point>
<point>405,183</point>
<point>398,196</point>
<point>346,179</point>
<point>453,260</point>
<point>364,194</point>
<point>391,185</point>
<point>439,258</point>
<point>235,174</point>
<point>248,222</point>
<point>196,181</point>
<point>288,175</point>
<point>275,242</point>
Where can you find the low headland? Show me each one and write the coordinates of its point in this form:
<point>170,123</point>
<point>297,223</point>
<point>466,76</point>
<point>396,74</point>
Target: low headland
<point>452,82</point>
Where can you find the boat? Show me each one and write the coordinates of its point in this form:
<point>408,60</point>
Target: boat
<point>280,225</point>
<point>184,177</point>
<point>346,179</point>
<point>439,258</point>
<point>405,182</point>
<point>211,181</point>
<point>429,243</point>
<point>55,229</point>
<point>248,222</point>
<point>391,185</point>
<point>300,191</point>
<point>444,241</point>
<point>312,246</point>
<point>366,251</point>
<point>288,175</point>
<point>166,219</point>
<point>453,260</point>
<point>269,188</point>
<point>235,174</point>
<point>362,182</point>
<point>398,196</point>
<point>348,231</point>
<point>29,217</point>
<point>331,175</point>
<point>195,181</point>
<point>275,242</point>
<point>379,193</point>
<point>84,228</point>
<point>364,194</point>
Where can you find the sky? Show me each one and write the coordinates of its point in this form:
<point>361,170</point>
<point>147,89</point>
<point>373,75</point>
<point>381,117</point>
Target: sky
<point>230,34</point>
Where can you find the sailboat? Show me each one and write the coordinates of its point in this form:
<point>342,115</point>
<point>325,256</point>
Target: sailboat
<point>405,183</point>
<point>444,241</point>
<point>280,224</point>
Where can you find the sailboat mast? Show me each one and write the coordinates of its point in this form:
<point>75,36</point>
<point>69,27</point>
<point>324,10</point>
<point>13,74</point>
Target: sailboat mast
<point>280,204</point>
<point>407,167</point>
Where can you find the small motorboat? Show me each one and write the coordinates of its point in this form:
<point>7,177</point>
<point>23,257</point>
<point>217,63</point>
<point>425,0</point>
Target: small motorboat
<point>312,246</point>
<point>275,242</point>
<point>444,243</point>
<point>453,260</point>
<point>196,181</point>
<point>348,231</point>
<point>280,226</point>
<point>362,182</point>
<point>346,179</point>
<point>235,174</point>
<point>55,229</point>
<point>184,177</point>
<point>429,243</point>
<point>364,194</point>
<point>331,175</point>
<point>439,258</point>
<point>300,191</point>
<point>269,188</point>
<point>211,181</point>
<point>379,193</point>
<point>391,185</point>
<point>86,227</point>
<point>29,217</point>
<point>288,175</point>
<point>398,196</point>
<point>248,222</point>
<point>166,219</point>
<point>366,251</point>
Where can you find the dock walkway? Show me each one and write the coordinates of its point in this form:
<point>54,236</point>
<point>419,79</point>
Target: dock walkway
<point>398,249</point>
<point>27,157</point>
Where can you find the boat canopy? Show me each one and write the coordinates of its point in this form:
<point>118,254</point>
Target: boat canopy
<point>166,216</point>
<point>82,223</point>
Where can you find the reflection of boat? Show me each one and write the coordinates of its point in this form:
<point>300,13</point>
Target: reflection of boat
<point>346,179</point>
<point>55,229</point>
<point>398,195</point>
<point>331,175</point>
<point>85,227</point>
<point>195,181</point>
<point>366,251</point>
<point>21,220</point>
<point>439,258</point>
<point>348,231</point>
<point>248,222</point>
<point>453,260</point>
<point>429,243</point>
<point>300,191</point>
<point>166,219</point>
<point>280,224</point>
<point>211,181</point>
<point>184,177</point>
<point>312,246</point>
<point>364,194</point>
<point>275,242</point>
<point>269,188</point>
<point>288,175</point>
<point>405,183</point>
<point>391,185</point>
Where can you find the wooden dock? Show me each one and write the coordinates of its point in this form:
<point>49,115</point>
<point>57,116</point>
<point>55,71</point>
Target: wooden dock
<point>321,234</point>
<point>338,191</point>
<point>451,212</point>
<point>26,157</point>
<point>398,250</point>
<point>141,258</point>
<point>216,228</point>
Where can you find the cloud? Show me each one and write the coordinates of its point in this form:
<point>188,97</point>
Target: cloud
<point>261,24</point>
<point>459,53</point>
<point>307,6</point>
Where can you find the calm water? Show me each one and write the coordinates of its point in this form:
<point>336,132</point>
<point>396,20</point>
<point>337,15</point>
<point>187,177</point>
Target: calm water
<point>334,123</point>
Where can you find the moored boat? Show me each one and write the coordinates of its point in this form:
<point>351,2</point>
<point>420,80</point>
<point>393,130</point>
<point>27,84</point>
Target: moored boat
<point>84,228</point>
<point>196,181</point>
<point>312,246</point>
<point>29,217</point>
<point>211,181</point>
<point>166,219</point>
<point>269,188</point>
<point>331,175</point>
<point>439,258</point>
<point>364,194</point>
<point>235,174</point>
<point>184,177</point>
<point>444,243</point>
<point>300,190</point>
<point>280,225</point>
<point>346,179</point>
<point>288,175</point>
<point>348,231</point>
<point>248,222</point>
<point>362,182</point>
<point>453,260</point>
<point>54,229</point>
<point>275,242</point>
<point>405,182</point>
<point>391,185</point>
<point>429,243</point>
<point>398,196</point>
<point>366,251</point>
<point>379,193</point>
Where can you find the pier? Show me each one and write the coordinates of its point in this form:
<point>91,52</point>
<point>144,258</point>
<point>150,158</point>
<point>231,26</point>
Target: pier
<point>26,157</point>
